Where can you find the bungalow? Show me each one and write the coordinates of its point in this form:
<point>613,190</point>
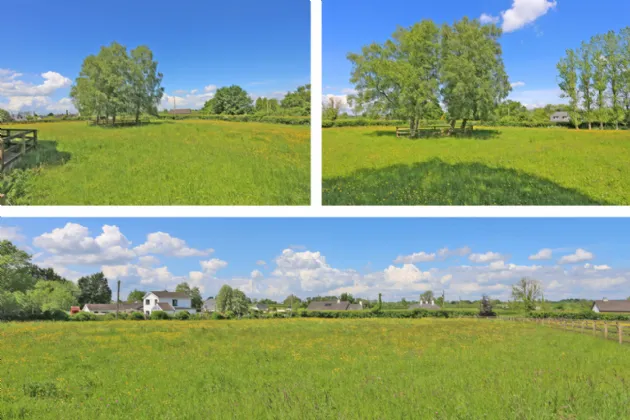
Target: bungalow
<point>210,305</point>
<point>169,302</point>
<point>331,305</point>
<point>107,308</point>
<point>560,117</point>
<point>617,306</point>
<point>430,306</point>
<point>260,307</point>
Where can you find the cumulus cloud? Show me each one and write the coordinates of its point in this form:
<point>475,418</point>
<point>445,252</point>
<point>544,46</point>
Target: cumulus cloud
<point>543,254</point>
<point>486,18</point>
<point>17,95</point>
<point>11,233</point>
<point>458,252</point>
<point>414,258</point>
<point>517,84</point>
<point>213,265</point>
<point>524,12</point>
<point>484,258</point>
<point>163,243</point>
<point>579,256</point>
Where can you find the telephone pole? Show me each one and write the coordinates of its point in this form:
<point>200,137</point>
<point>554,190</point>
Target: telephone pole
<point>118,299</point>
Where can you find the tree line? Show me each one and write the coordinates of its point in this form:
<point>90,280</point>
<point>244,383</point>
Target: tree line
<point>595,78</point>
<point>234,100</point>
<point>116,82</point>
<point>424,66</point>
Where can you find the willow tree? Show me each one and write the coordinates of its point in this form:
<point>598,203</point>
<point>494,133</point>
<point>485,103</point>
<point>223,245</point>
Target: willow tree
<point>473,76</point>
<point>401,76</point>
<point>568,74</point>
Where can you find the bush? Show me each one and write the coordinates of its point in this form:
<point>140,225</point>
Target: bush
<point>159,315</point>
<point>112,316</point>
<point>136,316</point>
<point>83,316</point>
<point>216,316</point>
<point>183,315</point>
<point>274,119</point>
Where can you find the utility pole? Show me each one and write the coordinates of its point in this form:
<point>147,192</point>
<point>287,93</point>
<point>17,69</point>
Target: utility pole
<point>118,299</point>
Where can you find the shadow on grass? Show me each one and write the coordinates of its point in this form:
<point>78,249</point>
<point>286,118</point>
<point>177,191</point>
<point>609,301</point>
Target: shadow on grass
<point>439,183</point>
<point>130,124</point>
<point>45,154</point>
<point>438,134</point>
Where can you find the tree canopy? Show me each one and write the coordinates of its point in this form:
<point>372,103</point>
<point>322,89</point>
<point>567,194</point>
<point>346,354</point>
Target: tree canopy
<point>230,100</point>
<point>195,294</point>
<point>94,289</point>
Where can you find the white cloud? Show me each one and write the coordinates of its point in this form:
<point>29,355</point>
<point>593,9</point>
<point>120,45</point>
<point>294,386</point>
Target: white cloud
<point>210,88</point>
<point>458,252</point>
<point>538,98</point>
<point>261,262</point>
<point>408,278</point>
<point>483,258</point>
<point>524,12</point>
<point>17,95</point>
<point>579,256</point>
<point>192,100</point>
<point>486,18</point>
<point>414,258</point>
<point>11,233</point>
<point>212,266</point>
<point>517,84</point>
<point>256,274</point>
<point>597,267</point>
<point>163,243</point>
<point>543,254</point>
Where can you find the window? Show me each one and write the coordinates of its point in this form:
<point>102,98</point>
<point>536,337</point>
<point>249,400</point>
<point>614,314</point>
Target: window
<point>147,302</point>
<point>174,302</point>
<point>327,304</point>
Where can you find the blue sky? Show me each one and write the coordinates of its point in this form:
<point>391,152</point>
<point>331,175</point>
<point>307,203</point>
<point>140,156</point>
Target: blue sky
<point>585,258</point>
<point>537,33</point>
<point>200,45</point>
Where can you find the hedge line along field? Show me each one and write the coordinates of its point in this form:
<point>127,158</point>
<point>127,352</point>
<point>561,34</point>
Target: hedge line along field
<point>496,166</point>
<point>307,368</point>
<point>171,163</point>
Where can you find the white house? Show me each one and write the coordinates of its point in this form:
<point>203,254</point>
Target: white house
<point>615,306</point>
<point>169,302</point>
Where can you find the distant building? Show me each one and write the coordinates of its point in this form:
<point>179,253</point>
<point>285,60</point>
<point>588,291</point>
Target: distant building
<point>560,117</point>
<point>210,305</point>
<point>332,305</point>
<point>169,302</point>
<point>75,310</point>
<point>617,306</point>
<point>183,111</point>
<point>430,306</point>
<point>107,308</point>
<point>260,307</point>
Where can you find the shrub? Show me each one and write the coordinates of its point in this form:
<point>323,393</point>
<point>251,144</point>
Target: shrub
<point>136,316</point>
<point>216,316</point>
<point>159,315</point>
<point>83,316</point>
<point>56,315</point>
<point>183,315</point>
<point>112,316</point>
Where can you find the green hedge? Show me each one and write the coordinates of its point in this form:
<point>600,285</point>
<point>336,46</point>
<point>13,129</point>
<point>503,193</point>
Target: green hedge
<point>589,315</point>
<point>274,119</point>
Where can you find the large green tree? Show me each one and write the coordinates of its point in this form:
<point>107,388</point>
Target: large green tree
<point>94,289</point>
<point>473,76</point>
<point>4,116</point>
<point>568,74</point>
<point>145,82</point>
<point>614,67</point>
<point>229,100</point>
<point>298,102</point>
<point>527,291</point>
<point>51,295</point>
<point>15,269</point>
<point>136,295</point>
<point>194,293</point>
<point>586,90</point>
<point>600,80</point>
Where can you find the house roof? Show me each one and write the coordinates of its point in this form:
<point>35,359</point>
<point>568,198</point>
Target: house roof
<point>180,111</point>
<point>165,306</point>
<point>427,306</point>
<point>210,304</point>
<point>328,305</point>
<point>112,306</point>
<point>166,294</point>
<point>613,305</point>
<point>261,306</point>
<point>562,114</point>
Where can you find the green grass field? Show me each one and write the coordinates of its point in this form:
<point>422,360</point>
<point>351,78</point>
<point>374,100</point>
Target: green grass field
<point>171,163</point>
<point>498,166</point>
<point>309,369</point>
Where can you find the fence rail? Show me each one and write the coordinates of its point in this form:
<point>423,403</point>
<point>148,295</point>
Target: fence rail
<point>14,143</point>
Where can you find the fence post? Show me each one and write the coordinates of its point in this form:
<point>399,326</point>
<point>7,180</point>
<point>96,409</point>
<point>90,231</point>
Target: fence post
<point>620,332</point>
<point>605,329</point>
<point>594,328</point>
<point>35,138</point>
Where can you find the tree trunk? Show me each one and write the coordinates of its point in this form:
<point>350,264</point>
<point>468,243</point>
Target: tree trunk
<point>114,119</point>
<point>137,116</point>
<point>616,125</point>
<point>601,125</point>
<point>590,125</point>
<point>464,124</point>
<point>412,124</point>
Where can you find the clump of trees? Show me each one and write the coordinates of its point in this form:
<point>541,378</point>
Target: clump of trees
<point>5,116</point>
<point>595,78</point>
<point>232,301</point>
<point>234,100</point>
<point>28,291</point>
<point>408,76</point>
<point>528,292</point>
<point>115,82</point>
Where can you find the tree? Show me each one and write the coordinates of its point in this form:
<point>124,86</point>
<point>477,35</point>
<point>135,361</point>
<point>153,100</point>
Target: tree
<point>146,91</point>
<point>5,116</point>
<point>613,57</point>
<point>473,75</point>
<point>50,295</point>
<point>266,105</point>
<point>600,81</point>
<point>625,85</point>
<point>401,76</point>
<point>567,67</point>
<point>195,295</point>
<point>298,101</point>
<point>47,274</point>
<point>94,289</point>
<point>379,306</point>
<point>224,298</point>
<point>347,297</point>
<point>585,68</point>
<point>427,296</point>
<point>240,303</point>
<point>15,269</point>
<point>136,295</point>
<point>292,300</point>
<point>485,307</point>
<point>231,100</point>
<point>527,291</point>
<point>331,108</point>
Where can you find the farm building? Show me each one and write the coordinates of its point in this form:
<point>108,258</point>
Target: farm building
<point>431,306</point>
<point>606,305</point>
<point>169,302</point>
<point>107,308</point>
<point>183,111</point>
<point>210,305</point>
<point>560,117</point>
<point>331,305</point>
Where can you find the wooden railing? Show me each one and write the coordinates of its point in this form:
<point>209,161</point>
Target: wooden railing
<point>608,330</point>
<point>14,143</point>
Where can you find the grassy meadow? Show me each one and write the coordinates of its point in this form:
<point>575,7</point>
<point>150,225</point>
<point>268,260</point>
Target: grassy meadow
<point>309,368</point>
<point>170,163</point>
<point>495,166</point>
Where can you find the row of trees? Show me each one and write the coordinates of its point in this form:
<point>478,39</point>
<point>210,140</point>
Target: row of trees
<point>116,82</point>
<point>596,80</point>
<point>410,75</point>
<point>234,100</point>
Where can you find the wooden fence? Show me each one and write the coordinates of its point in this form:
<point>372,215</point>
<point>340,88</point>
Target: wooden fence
<point>609,330</point>
<point>14,143</point>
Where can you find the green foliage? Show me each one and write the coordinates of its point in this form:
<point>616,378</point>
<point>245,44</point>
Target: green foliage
<point>528,292</point>
<point>4,116</point>
<point>159,315</point>
<point>182,315</point>
<point>83,316</point>
<point>94,289</point>
<point>298,102</point>
<point>569,80</point>
<point>136,295</point>
<point>229,100</point>
<point>485,308</point>
<point>378,307</point>
<point>15,269</point>
<point>216,316</point>
<point>194,294</point>
<point>136,316</point>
